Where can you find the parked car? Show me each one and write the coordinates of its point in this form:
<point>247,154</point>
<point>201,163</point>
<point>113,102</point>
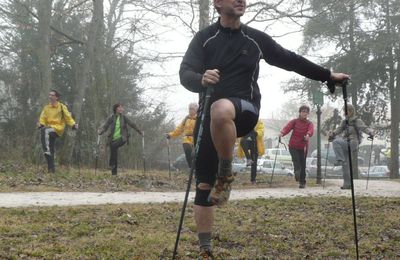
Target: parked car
<point>332,171</point>
<point>331,155</point>
<point>180,163</point>
<point>267,166</point>
<point>238,165</point>
<point>282,155</point>
<point>378,171</point>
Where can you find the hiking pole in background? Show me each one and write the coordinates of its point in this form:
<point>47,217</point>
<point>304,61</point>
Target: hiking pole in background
<point>369,163</point>
<point>143,154</point>
<point>353,200</point>
<point>78,154</point>
<point>209,91</point>
<point>96,154</point>
<point>40,150</point>
<point>326,164</point>
<point>273,167</point>
<point>169,160</point>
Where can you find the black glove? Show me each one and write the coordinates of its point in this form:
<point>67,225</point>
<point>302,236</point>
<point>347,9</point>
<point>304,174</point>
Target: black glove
<point>371,137</point>
<point>331,138</point>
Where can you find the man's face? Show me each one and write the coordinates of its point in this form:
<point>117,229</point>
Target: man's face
<point>235,8</point>
<point>52,96</point>
<point>304,113</point>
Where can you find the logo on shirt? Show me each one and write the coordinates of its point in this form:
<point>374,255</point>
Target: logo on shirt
<point>245,52</point>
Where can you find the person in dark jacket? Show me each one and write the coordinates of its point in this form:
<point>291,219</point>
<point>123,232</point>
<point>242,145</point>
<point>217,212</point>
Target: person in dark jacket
<point>302,129</point>
<point>118,134</point>
<point>225,56</point>
<point>339,138</point>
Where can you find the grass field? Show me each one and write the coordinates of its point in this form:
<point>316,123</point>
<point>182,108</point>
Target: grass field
<point>293,228</point>
<point>254,229</point>
<point>15,177</point>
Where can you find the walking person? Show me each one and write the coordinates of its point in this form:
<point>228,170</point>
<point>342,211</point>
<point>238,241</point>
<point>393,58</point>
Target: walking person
<point>52,122</point>
<point>225,56</point>
<point>186,128</point>
<point>118,134</point>
<point>340,146</point>
<point>302,129</point>
<point>377,154</point>
<point>251,146</point>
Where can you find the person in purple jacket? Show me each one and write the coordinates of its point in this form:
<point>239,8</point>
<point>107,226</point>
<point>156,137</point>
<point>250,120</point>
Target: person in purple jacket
<point>302,129</point>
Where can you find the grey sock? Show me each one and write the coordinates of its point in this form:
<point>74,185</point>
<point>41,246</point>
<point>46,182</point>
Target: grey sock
<point>205,241</point>
<point>224,167</point>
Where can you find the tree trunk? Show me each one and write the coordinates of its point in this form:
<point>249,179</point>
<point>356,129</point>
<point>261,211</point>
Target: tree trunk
<point>204,14</point>
<point>355,80</point>
<point>394,82</point>
<point>43,51</point>
<point>395,117</point>
<point>84,77</point>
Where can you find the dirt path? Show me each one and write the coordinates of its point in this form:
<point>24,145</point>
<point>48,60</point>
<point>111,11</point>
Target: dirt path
<point>376,188</point>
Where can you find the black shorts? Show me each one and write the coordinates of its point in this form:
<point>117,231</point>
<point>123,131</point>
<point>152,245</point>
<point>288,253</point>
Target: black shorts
<point>207,159</point>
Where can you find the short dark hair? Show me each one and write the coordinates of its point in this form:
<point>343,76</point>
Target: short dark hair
<point>115,106</point>
<point>304,107</point>
<point>56,93</point>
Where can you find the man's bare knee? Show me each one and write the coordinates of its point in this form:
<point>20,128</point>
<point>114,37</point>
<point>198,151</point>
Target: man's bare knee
<point>222,110</point>
<point>203,186</point>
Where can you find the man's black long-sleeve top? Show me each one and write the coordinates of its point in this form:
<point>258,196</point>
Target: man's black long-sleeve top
<point>236,54</point>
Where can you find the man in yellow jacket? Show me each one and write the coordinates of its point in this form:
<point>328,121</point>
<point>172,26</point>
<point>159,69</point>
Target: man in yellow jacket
<point>186,128</point>
<point>252,146</point>
<point>52,122</point>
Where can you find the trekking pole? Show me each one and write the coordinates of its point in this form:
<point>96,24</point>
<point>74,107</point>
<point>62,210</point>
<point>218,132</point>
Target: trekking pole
<point>326,164</point>
<point>143,154</point>
<point>369,163</point>
<point>40,150</point>
<point>344,89</point>
<point>78,154</point>
<point>96,154</point>
<point>169,160</point>
<point>209,91</point>
<point>273,167</point>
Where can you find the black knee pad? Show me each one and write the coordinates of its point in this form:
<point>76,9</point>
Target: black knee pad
<point>201,197</point>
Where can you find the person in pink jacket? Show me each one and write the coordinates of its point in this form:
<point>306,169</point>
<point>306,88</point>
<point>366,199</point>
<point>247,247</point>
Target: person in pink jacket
<point>302,129</point>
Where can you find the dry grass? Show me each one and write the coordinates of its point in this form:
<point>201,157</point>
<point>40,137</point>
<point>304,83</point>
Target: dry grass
<point>255,229</point>
<point>15,177</point>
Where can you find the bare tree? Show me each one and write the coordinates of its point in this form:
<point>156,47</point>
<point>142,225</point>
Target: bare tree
<point>44,17</point>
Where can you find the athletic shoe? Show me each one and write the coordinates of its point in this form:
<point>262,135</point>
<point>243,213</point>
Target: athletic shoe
<point>205,254</point>
<point>221,191</point>
<point>302,186</point>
